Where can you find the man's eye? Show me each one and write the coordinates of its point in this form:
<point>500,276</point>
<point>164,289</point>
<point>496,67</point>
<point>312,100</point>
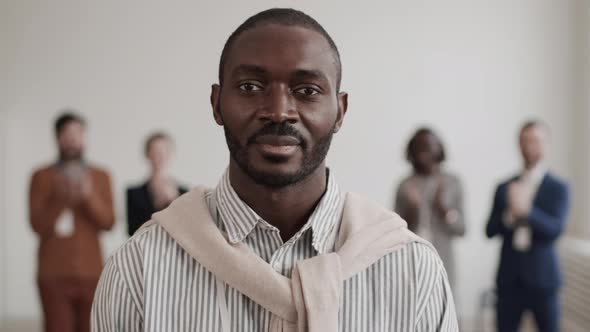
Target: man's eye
<point>307,91</point>
<point>249,87</point>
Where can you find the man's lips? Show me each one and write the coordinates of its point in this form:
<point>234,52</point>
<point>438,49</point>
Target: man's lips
<point>277,140</point>
<point>277,145</point>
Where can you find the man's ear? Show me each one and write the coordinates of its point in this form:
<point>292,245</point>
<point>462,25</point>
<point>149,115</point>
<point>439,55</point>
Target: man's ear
<point>342,108</point>
<point>215,95</point>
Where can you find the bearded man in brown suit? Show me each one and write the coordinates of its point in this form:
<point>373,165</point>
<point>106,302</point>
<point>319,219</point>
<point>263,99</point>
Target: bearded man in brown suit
<point>70,202</point>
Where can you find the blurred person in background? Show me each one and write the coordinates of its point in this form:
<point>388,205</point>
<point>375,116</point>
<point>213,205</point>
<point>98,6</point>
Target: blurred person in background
<point>431,199</point>
<point>70,203</point>
<point>160,188</point>
<point>529,212</point>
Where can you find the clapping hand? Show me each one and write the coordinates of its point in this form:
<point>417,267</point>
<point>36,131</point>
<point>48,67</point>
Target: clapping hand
<point>519,205</point>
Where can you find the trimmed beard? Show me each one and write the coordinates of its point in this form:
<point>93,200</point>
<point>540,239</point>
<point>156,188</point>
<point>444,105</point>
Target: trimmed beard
<point>311,159</point>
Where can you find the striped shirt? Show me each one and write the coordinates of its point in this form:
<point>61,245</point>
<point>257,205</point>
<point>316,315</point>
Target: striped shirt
<point>152,284</point>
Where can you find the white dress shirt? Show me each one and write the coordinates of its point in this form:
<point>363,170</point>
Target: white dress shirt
<point>529,180</point>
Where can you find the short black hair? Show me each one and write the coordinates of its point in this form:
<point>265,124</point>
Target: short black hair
<point>154,137</point>
<point>280,16</point>
<point>411,147</point>
<point>65,118</point>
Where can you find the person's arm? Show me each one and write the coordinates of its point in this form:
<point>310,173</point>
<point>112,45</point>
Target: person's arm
<point>435,304</point>
<point>452,213</point>
<point>114,308</point>
<point>550,223</point>
<point>406,209</point>
<point>495,224</point>
<point>99,202</point>
<point>45,205</point>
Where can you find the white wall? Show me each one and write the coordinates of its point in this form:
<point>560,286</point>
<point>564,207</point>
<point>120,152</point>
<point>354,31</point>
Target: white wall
<point>472,69</point>
<point>583,150</point>
<point>3,248</point>
<point>5,23</point>
<point>582,228</point>
<point>580,164</point>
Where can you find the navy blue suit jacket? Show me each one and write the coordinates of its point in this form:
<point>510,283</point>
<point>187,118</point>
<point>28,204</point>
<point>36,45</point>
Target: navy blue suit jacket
<point>538,267</point>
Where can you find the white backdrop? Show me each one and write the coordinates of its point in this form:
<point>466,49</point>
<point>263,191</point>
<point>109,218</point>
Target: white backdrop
<point>474,70</point>
<point>582,152</point>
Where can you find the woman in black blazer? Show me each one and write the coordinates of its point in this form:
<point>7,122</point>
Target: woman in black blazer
<point>159,190</point>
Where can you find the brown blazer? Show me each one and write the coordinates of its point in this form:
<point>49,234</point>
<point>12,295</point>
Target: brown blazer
<point>78,255</point>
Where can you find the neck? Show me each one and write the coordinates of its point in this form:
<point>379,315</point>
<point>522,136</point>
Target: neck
<point>426,171</point>
<point>287,208</point>
<point>64,160</point>
<point>158,174</point>
<point>530,165</point>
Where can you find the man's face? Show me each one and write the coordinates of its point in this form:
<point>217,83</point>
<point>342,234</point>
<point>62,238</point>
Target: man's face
<point>532,145</point>
<point>427,153</point>
<point>160,154</point>
<point>278,105</point>
<point>70,141</point>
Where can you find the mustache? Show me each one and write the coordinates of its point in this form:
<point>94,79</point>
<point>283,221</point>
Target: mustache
<point>278,129</point>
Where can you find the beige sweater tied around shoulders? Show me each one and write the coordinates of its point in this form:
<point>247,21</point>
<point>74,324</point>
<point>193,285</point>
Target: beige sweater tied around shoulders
<point>309,301</point>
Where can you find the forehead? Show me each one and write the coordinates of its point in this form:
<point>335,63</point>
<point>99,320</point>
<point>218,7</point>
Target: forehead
<point>72,127</point>
<point>533,132</point>
<point>426,138</point>
<point>282,49</point>
<point>159,142</point>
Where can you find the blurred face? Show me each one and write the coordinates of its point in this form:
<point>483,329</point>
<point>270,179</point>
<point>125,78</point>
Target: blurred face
<point>426,156</point>
<point>532,145</point>
<point>160,154</point>
<point>71,141</point>
<point>278,105</point>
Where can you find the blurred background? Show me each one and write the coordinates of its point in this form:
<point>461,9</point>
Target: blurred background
<point>473,70</point>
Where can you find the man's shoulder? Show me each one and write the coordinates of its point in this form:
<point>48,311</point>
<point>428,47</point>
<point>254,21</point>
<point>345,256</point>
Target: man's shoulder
<point>98,170</point>
<point>417,256</point>
<point>137,244</point>
<point>152,233</point>
<point>405,180</point>
<point>417,266</point>
<point>44,170</point>
<point>509,180</point>
<point>451,177</point>
<point>126,265</point>
<point>556,180</point>
<point>503,184</point>
<point>422,249</point>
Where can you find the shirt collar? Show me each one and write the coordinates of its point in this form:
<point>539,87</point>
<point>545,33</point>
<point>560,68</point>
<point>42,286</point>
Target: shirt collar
<point>535,175</point>
<point>60,163</point>
<point>240,220</point>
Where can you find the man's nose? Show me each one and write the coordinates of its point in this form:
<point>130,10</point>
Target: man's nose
<point>279,105</point>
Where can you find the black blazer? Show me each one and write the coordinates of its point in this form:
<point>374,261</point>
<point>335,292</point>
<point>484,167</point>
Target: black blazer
<point>538,267</point>
<point>140,206</point>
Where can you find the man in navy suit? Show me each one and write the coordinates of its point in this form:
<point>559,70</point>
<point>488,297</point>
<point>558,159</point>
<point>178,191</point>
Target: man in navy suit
<point>529,212</point>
